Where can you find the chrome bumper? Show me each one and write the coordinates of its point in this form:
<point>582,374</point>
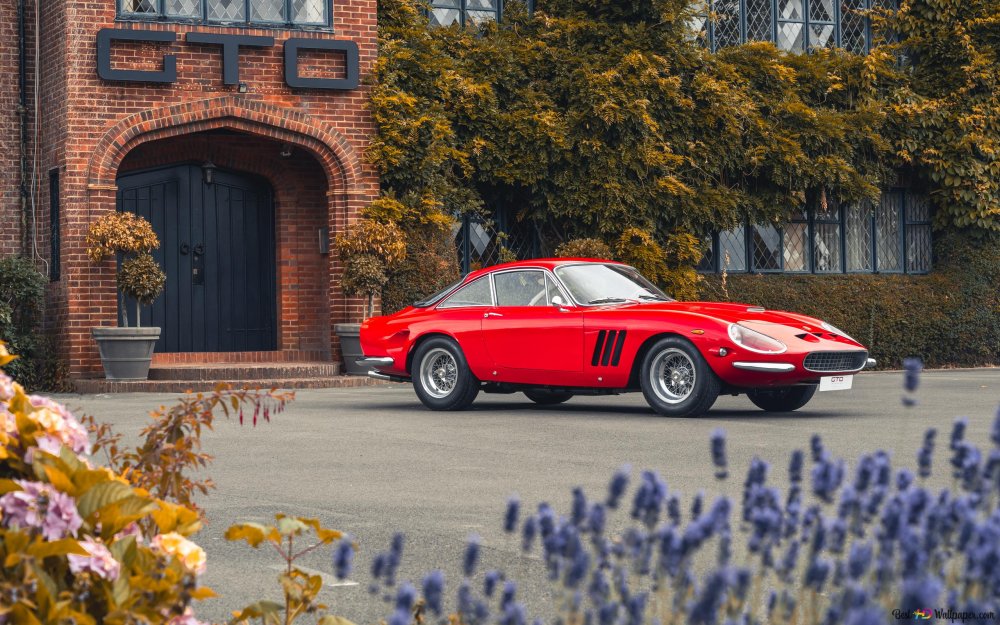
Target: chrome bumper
<point>383,361</point>
<point>765,367</point>
<point>378,375</point>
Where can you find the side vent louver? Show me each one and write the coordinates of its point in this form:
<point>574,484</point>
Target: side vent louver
<point>608,349</point>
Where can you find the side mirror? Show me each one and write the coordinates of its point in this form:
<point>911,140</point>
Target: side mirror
<point>558,301</point>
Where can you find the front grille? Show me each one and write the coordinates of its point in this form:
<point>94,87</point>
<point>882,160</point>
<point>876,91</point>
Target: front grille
<point>835,361</point>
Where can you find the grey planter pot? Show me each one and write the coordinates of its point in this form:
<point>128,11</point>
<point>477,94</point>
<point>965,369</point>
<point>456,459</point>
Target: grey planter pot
<point>126,352</point>
<point>350,347</point>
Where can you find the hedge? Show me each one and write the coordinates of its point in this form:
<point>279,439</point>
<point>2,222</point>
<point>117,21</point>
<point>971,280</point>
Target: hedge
<point>950,317</point>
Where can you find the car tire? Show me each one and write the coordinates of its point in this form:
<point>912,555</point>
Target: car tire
<point>676,380</point>
<point>441,375</point>
<point>545,397</point>
<point>782,399</point>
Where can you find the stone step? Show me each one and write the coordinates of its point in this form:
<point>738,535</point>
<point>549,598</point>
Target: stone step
<point>92,387</point>
<point>211,372</point>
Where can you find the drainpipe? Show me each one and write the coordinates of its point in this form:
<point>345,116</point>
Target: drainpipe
<point>22,112</point>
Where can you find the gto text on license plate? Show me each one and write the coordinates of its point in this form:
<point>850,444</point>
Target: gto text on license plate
<point>836,382</point>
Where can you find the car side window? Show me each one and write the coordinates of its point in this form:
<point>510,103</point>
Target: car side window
<point>521,288</point>
<point>476,293</point>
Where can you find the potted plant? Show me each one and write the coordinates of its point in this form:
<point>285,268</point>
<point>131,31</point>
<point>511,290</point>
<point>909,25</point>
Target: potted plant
<point>127,351</point>
<point>369,249</point>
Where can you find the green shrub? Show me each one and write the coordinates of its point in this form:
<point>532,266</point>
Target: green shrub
<point>430,264</point>
<point>22,300</point>
<point>583,248</point>
<point>950,317</point>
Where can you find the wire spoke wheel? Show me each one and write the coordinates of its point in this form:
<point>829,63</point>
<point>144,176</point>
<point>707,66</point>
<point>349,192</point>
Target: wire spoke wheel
<point>673,376</point>
<point>439,373</point>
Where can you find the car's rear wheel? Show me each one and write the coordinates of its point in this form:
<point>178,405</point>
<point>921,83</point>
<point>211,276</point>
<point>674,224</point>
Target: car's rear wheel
<point>441,375</point>
<point>783,399</point>
<point>546,397</point>
<point>676,380</point>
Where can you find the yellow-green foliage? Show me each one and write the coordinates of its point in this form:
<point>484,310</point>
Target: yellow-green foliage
<point>80,556</point>
<point>384,241</point>
<point>950,317</point>
<point>430,264</point>
<point>636,247</point>
<point>584,248</point>
<point>120,233</point>
<point>142,278</point>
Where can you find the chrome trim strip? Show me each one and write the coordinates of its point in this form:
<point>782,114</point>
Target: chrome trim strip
<point>768,367</point>
<point>832,371</point>
<point>384,361</point>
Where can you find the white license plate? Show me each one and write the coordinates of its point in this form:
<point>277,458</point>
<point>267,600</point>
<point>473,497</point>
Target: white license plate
<point>836,382</point>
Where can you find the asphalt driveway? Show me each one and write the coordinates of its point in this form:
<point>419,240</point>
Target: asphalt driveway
<point>372,461</point>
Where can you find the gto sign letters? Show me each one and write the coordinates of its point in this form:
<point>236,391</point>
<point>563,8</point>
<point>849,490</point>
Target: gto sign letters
<point>231,45</point>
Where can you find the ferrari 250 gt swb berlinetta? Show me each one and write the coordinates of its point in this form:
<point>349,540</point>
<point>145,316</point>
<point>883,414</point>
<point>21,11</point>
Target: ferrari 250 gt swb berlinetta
<point>555,328</point>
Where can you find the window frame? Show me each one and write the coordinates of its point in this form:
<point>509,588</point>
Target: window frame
<point>463,9</point>
<point>905,222</point>
<point>121,15</point>
<point>443,304</point>
<point>55,213</point>
<point>806,21</point>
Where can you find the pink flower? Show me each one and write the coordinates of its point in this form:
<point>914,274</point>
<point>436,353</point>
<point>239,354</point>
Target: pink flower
<point>59,422</point>
<point>190,554</point>
<point>42,506</point>
<point>7,386</point>
<point>186,619</point>
<point>46,442</point>
<point>100,561</point>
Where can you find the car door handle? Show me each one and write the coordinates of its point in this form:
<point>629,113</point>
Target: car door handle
<point>492,314</point>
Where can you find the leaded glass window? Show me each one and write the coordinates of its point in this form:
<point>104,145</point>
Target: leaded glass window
<point>892,235</point>
<point>859,227</point>
<point>793,25</point>
<point>733,250</point>
<point>464,12</point>
<point>291,13</point>
<point>766,248</point>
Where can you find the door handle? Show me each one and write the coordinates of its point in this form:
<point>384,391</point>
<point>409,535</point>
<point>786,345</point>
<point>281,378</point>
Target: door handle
<point>185,248</point>
<point>492,314</point>
<point>199,249</point>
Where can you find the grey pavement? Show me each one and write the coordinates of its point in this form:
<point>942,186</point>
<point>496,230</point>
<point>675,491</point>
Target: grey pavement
<point>371,461</point>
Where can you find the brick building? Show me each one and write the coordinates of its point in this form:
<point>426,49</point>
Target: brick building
<point>237,127</point>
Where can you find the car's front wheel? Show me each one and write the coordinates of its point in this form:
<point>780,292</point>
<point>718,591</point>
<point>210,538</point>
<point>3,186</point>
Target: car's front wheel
<point>441,376</point>
<point>783,399</point>
<point>676,380</point>
<point>546,397</point>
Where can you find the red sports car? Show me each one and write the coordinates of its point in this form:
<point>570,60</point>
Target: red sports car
<point>555,328</point>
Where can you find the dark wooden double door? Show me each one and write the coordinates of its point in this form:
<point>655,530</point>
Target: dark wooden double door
<point>217,249</point>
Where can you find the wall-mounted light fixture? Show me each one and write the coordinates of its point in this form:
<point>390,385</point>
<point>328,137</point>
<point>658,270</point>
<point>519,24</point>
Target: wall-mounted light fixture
<point>242,87</point>
<point>208,171</point>
<point>286,151</point>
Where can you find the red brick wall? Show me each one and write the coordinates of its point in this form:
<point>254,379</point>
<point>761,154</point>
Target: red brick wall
<point>91,126</point>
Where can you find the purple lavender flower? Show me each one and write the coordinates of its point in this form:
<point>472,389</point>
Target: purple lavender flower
<point>718,441</point>
<point>490,582</point>
<point>471,556</point>
<point>838,536</point>
<point>509,592</point>
<point>741,583</point>
<point>674,509</point>
<point>636,609</point>
<point>817,573</point>
<point>705,609</point>
<point>904,479</point>
<point>379,565</point>
<point>859,559</point>
<point>400,617</point>
<point>926,454</point>
<point>546,519</point>
<point>578,569</point>
<point>343,558</point>
<point>579,507</point>
<point>958,431</point>
<point>41,506</point>
<point>725,548</point>
<point>607,614</point>
<point>795,466</point>
<point>597,519</point>
<point>466,604</point>
<point>865,616</point>
<point>756,476</point>
<point>911,379</point>
<point>826,478</point>
<point>513,614</point>
<point>394,557</point>
<point>599,589</point>
<point>649,498</point>
<point>433,587</point>
<point>528,532</point>
<point>816,446</point>
<point>510,516</point>
<point>995,430</point>
<point>920,593</point>
<point>696,505</point>
<point>789,561</point>
<point>619,482</point>
<point>406,596</point>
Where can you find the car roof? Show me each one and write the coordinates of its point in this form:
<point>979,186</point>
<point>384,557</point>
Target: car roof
<point>545,263</point>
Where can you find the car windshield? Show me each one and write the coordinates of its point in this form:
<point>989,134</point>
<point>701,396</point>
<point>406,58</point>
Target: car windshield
<point>594,283</point>
<point>437,297</point>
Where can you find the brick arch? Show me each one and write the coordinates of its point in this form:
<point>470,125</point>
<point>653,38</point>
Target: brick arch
<point>332,150</point>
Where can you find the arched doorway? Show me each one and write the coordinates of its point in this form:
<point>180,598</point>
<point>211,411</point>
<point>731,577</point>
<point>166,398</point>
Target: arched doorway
<point>217,247</point>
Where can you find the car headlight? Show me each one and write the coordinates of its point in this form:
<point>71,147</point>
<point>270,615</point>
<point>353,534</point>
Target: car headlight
<point>835,330</point>
<point>755,341</point>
